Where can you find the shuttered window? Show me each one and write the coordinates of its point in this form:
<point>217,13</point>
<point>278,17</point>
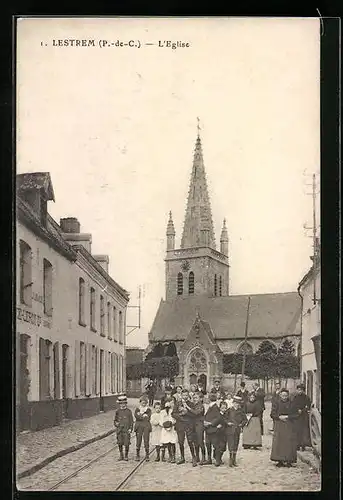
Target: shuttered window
<point>25,273</point>
<point>47,287</point>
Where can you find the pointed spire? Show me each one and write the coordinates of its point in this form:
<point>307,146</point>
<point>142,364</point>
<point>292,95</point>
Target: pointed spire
<point>170,226</point>
<point>224,240</point>
<point>198,225</point>
<point>170,233</point>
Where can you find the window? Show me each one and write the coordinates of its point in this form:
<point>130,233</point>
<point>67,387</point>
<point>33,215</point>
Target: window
<point>56,368</point>
<point>180,284</point>
<point>82,302</point>
<point>246,348</point>
<point>102,315</point>
<point>191,283</point>
<point>220,286</point>
<point>121,336</point>
<point>47,287</point>
<point>215,285</point>
<point>115,333</point>
<point>82,368</point>
<point>92,309</point>
<point>25,274</point>
<point>108,318</point>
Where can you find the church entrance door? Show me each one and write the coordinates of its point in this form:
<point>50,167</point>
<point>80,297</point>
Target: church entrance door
<point>202,380</point>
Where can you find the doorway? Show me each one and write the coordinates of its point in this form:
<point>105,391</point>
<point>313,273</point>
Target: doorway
<point>101,379</point>
<point>202,380</point>
<point>65,349</point>
<point>24,384</point>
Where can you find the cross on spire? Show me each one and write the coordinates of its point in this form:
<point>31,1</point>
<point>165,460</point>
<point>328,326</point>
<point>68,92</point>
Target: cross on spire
<point>198,125</point>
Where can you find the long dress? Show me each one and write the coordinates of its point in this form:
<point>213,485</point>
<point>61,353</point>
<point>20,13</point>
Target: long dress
<point>284,447</point>
<point>252,430</point>
<point>302,405</point>
<point>168,435</point>
<point>156,425</point>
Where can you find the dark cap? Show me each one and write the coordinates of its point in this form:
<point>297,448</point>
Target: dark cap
<point>301,386</point>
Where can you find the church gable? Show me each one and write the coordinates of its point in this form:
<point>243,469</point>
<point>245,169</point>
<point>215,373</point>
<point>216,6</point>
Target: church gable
<point>199,335</point>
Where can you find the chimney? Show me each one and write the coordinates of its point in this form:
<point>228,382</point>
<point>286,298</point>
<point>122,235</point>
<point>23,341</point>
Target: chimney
<point>71,233</point>
<point>103,260</point>
<point>70,225</point>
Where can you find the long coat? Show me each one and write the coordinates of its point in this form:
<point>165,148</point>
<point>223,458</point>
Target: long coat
<point>302,405</point>
<point>214,417</point>
<point>252,430</point>
<point>284,447</point>
<point>142,422</point>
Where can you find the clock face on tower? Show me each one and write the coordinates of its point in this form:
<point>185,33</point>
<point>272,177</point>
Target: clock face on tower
<point>185,265</point>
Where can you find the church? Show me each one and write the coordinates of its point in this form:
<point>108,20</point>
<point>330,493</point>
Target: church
<point>199,316</point>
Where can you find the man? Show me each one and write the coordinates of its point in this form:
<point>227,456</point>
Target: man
<point>275,397</point>
<point>302,404</point>
<point>260,396</point>
<point>217,388</point>
<point>184,427</point>
<point>243,393</point>
<point>150,389</point>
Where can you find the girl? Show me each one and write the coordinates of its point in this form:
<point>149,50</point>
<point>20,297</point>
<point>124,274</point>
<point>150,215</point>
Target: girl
<point>228,399</point>
<point>168,433</point>
<point>156,424</point>
<point>177,395</point>
<point>142,426</point>
<point>252,437</point>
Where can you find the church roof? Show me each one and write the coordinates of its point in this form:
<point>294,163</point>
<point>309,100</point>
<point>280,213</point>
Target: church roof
<point>271,315</point>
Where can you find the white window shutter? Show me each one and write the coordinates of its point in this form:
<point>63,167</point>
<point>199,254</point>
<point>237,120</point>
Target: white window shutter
<point>88,369</point>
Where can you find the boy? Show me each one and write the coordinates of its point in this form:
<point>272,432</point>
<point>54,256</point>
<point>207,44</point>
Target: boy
<point>183,426</point>
<point>213,418</point>
<point>235,421</point>
<point>196,410</point>
<point>167,395</point>
<point>123,423</point>
<point>142,427</point>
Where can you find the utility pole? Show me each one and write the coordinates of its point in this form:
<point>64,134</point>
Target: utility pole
<point>134,327</point>
<point>315,255</point>
<point>245,340</point>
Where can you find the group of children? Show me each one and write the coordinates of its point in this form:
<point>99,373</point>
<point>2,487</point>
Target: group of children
<point>211,424</point>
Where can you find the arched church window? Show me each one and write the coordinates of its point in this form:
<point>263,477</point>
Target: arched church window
<point>191,283</point>
<point>198,362</point>
<point>215,285</point>
<point>220,286</point>
<point>180,284</point>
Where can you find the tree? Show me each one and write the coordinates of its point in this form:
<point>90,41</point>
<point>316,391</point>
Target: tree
<point>155,368</point>
<point>287,348</point>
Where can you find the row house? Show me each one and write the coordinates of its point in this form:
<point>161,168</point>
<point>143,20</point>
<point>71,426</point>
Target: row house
<point>70,316</point>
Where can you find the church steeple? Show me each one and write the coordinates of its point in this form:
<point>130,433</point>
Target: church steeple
<point>198,225</point>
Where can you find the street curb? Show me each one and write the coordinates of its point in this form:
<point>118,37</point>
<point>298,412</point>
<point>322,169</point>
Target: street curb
<point>312,462</point>
<point>61,453</point>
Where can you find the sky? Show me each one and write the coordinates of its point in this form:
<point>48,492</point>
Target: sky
<point>116,129</point>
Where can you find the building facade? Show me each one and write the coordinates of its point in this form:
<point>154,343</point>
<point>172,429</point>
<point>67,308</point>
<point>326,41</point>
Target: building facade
<point>70,317</point>
<point>198,314</point>
<point>310,292</point>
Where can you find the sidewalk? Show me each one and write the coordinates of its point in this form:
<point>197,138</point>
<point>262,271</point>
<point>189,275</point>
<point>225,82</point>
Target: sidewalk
<point>34,450</point>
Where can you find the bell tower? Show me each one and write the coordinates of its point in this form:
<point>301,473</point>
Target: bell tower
<point>197,267</point>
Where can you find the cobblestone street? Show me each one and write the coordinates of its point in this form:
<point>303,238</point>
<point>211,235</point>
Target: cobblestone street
<point>255,472</point>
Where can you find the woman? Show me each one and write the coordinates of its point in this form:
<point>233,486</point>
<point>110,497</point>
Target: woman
<point>168,432</point>
<point>252,437</point>
<point>284,447</point>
